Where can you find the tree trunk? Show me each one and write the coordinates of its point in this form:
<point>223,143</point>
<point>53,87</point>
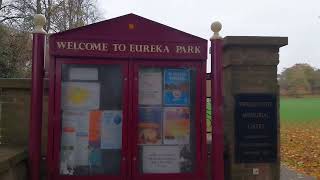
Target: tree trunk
<point>38,7</point>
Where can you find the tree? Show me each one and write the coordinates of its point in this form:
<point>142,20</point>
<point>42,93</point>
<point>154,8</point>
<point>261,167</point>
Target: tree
<point>16,23</point>
<point>299,79</point>
<point>15,53</point>
<point>60,14</point>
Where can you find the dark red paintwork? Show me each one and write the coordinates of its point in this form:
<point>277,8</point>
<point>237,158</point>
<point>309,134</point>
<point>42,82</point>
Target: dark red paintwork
<point>217,104</point>
<point>36,106</point>
<point>145,32</point>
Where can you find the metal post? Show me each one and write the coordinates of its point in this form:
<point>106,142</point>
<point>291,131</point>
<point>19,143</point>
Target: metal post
<point>216,103</point>
<point>36,98</point>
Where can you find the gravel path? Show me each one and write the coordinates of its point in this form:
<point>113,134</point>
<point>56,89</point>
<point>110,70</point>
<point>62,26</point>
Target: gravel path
<point>287,174</point>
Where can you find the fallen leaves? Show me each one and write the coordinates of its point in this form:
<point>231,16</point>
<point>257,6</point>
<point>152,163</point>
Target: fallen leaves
<point>300,147</point>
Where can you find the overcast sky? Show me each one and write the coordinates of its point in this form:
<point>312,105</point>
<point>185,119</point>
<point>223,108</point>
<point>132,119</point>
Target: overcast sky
<point>296,19</point>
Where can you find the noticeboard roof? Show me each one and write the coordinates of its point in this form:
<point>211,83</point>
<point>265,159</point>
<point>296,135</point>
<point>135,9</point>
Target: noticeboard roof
<point>130,27</point>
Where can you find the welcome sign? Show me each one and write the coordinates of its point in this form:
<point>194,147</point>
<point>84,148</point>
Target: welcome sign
<point>114,48</point>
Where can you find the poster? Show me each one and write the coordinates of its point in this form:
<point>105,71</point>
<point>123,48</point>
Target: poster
<point>150,87</point>
<point>105,129</point>
<point>177,87</point>
<point>111,129</point>
<point>149,127</point>
<point>83,74</point>
<point>78,121</point>
<point>176,125</point>
<point>80,95</point>
<point>82,150</point>
<point>160,159</point>
<point>68,143</point>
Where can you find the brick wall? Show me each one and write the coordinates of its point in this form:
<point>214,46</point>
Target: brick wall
<point>15,112</point>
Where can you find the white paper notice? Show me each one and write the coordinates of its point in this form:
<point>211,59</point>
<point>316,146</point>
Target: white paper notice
<point>68,142</point>
<point>111,130</point>
<point>80,95</point>
<point>82,151</point>
<point>161,159</point>
<point>150,87</point>
<point>80,123</point>
<point>83,74</point>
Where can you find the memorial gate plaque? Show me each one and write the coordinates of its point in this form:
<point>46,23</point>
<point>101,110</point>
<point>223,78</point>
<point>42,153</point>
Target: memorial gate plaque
<point>255,128</point>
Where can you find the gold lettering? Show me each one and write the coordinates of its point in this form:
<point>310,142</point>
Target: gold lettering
<point>119,47</point>
<point>82,46</point>
<point>104,46</point>
<point>166,49</point>
<point>146,48</point>
<point>179,49</point>
<point>158,48</point>
<point>131,47</point>
<point>69,45</point>
<point>190,49</point>
<point>153,48</point>
<point>197,49</point>
<point>61,45</point>
<point>88,46</point>
<point>96,46</point>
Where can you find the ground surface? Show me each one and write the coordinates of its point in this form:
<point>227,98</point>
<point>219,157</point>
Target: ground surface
<point>300,134</point>
<point>288,174</point>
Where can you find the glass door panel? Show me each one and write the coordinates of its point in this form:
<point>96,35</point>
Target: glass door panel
<point>166,121</point>
<point>91,119</point>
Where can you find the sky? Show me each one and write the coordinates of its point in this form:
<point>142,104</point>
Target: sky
<point>298,20</point>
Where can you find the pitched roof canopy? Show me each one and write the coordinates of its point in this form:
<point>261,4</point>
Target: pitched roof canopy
<point>130,27</point>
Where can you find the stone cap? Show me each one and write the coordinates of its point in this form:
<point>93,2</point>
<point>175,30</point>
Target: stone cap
<point>255,41</point>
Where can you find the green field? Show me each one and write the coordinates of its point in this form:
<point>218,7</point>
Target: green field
<point>292,110</point>
<point>300,110</point>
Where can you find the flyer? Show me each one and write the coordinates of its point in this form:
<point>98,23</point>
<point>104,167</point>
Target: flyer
<point>94,129</point>
<point>68,143</point>
<point>160,159</point>
<point>150,87</point>
<point>67,159</point>
<point>105,129</point>
<point>80,95</point>
<point>149,127</point>
<point>111,129</point>
<point>176,125</point>
<point>79,120</point>
<point>82,150</point>
<point>176,87</point>
<point>83,74</point>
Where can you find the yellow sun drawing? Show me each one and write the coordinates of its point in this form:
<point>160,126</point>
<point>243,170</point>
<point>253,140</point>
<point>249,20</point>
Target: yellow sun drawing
<point>78,95</point>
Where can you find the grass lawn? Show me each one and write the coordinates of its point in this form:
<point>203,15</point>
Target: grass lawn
<point>299,110</point>
<point>300,134</point>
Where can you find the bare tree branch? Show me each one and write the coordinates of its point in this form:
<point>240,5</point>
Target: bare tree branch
<point>8,18</point>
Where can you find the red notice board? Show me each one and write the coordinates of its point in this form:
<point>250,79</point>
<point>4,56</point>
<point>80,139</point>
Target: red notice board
<point>127,102</point>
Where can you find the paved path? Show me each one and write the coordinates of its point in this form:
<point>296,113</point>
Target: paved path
<point>287,174</point>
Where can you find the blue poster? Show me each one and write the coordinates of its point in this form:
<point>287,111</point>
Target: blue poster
<point>176,87</point>
<point>111,129</point>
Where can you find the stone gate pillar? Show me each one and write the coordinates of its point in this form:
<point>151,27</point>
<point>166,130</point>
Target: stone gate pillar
<point>250,91</point>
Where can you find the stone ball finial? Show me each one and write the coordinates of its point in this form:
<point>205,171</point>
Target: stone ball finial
<point>216,28</point>
<point>39,21</point>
